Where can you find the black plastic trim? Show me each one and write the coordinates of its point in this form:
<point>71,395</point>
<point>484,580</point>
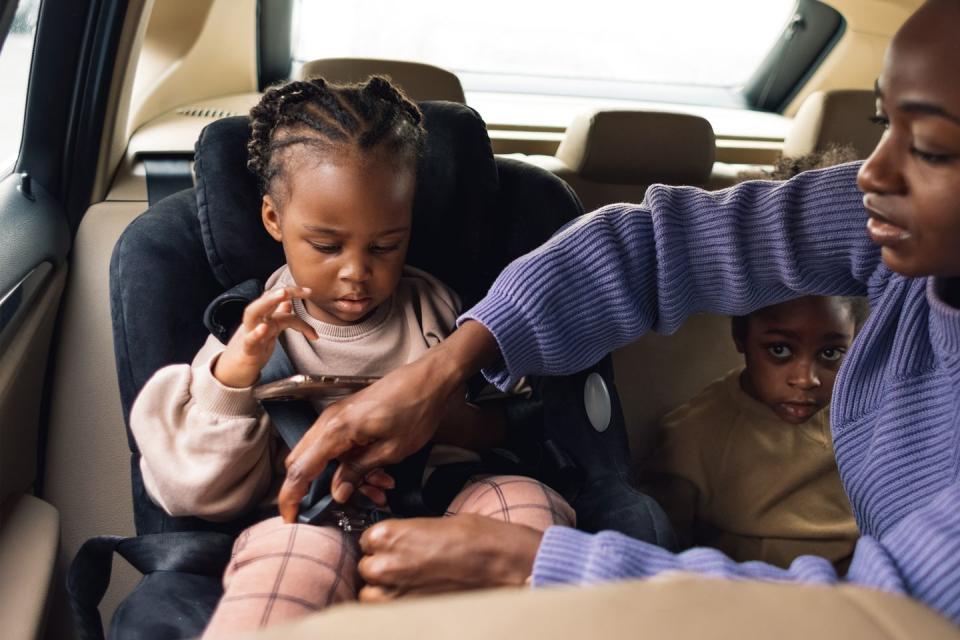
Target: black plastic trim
<point>808,37</point>
<point>274,41</point>
<point>8,9</point>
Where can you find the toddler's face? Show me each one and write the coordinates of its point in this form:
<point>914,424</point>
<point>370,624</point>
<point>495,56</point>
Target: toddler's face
<point>345,226</point>
<point>793,351</point>
<point>911,181</point>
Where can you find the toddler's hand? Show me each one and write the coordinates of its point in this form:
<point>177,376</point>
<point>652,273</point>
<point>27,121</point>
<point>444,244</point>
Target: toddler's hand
<point>252,345</point>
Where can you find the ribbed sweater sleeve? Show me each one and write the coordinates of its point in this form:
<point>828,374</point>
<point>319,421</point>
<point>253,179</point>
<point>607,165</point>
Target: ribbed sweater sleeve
<point>613,274</point>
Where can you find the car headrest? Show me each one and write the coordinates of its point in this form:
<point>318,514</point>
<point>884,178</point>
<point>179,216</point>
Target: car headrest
<point>840,117</point>
<point>639,147</point>
<point>418,80</point>
<point>456,194</point>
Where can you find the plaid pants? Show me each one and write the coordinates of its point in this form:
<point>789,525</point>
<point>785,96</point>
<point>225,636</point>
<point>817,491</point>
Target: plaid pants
<point>281,571</point>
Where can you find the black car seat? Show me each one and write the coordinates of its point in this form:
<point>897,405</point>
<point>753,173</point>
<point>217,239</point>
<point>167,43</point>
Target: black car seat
<point>472,215</point>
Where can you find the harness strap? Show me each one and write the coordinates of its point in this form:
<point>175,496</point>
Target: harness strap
<point>198,552</point>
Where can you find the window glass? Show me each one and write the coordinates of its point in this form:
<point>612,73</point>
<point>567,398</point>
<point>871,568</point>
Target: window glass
<point>603,48</point>
<point>15,60</point>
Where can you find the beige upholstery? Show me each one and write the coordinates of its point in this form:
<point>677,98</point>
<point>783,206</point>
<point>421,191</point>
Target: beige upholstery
<point>87,475</point>
<point>658,373</point>
<point>834,117</point>
<point>678,607</point>
<point>613,156</point>
<point>419,81</point>
<point>29,534</point>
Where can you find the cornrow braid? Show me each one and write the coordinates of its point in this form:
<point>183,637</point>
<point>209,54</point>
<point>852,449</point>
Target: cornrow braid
<point>330,118</point>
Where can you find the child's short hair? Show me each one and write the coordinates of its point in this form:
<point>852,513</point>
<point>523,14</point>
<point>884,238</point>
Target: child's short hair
<point>856,305</point>
<point>367,117</point>
<point>786,167</point>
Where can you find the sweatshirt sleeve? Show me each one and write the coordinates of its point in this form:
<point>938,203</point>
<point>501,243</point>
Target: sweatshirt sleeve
<point>611,275</point>
<point>205,448</point>
<point>917,557</point>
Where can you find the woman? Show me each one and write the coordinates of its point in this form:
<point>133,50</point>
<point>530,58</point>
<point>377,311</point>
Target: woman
<point>623,270</point>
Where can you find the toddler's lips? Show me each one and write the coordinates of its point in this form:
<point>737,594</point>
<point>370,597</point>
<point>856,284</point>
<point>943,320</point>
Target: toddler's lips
<point>352,305</point>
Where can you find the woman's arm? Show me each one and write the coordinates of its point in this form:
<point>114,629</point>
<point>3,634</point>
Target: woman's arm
<point>614,274</point>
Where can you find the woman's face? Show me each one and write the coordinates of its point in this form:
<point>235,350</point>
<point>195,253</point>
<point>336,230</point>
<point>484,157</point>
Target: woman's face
<point>911,181</point>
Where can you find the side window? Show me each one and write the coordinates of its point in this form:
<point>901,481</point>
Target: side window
<point>15,60</point>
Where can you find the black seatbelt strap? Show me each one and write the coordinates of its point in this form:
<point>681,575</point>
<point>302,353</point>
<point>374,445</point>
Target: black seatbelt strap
<point>166,175</point>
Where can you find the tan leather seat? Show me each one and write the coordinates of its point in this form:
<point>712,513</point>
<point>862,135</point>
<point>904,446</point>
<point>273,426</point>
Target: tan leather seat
<point>613,156</point>
<point>840,117</point>
<point>419,81</point>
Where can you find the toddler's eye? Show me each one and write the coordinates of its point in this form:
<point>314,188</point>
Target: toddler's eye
<point>832,354</point>
<point>384,248</point>
<point>779,351</point>
<point>325,248</point>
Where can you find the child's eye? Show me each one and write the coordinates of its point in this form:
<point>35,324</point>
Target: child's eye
<point>832,354</point>
<point>325,248</point>
<point>883,121</point>
<point>377,248</point>
<point>933,158</point>
<point>779,351</point>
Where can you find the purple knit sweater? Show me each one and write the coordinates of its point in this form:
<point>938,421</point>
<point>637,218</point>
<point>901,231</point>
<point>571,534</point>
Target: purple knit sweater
<point>613,274</point>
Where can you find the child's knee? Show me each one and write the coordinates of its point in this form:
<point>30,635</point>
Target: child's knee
<point>272,550</point>
<point>515,499</point>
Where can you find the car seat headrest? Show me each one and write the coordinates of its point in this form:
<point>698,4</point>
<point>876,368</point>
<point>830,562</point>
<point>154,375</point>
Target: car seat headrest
<point>639,147</point>
<point>838,117</point>
<point>455,195</point>
<point>418,80</point>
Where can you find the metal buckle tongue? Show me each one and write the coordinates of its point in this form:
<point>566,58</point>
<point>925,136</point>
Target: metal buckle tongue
<point>350,518</point>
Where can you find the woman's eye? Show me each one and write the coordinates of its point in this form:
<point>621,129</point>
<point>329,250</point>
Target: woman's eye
<point>933,158</point>
<point>779,351</point>
<point>325,248</point>
<point>832,354</point>
<point>880,120</point>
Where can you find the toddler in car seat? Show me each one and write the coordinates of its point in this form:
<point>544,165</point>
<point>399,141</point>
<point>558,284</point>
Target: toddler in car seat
<point>337,165</point>
<point>747,466</point>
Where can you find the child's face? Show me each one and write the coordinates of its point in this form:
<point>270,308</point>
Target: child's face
<point>912,179</point>
<point>793,351</point>
<point>345,227</point>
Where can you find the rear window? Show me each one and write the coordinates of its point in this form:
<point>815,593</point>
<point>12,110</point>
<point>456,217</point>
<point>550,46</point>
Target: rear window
<point>602,48</point>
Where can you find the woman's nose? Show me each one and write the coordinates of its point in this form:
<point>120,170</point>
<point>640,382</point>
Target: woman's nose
<point>882,171</point>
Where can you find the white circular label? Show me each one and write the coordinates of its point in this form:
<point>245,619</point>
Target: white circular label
<point>596,400</point>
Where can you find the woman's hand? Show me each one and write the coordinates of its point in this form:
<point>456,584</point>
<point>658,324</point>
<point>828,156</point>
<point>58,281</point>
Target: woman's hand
<point>254,340</point>
<point>419,556</point>
<point>385,422</point>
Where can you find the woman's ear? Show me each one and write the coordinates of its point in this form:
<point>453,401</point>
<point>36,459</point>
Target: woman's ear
<point>271,218</point>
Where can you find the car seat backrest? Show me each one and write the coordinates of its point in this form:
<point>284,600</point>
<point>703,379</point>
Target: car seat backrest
<point>840,117</point>
<point>613,156</point>
<point>419,81</point>
<point>197,243</point>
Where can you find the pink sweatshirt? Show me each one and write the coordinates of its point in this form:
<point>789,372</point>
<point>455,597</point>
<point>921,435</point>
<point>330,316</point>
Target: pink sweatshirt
<point>210,450</point>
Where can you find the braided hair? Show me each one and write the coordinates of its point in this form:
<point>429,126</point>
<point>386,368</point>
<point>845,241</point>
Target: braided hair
<point>374,116</point>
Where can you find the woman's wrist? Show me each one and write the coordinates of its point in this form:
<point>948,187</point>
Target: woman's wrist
<point>470,348</point>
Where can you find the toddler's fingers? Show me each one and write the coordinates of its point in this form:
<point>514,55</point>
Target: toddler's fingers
<point>266,305</point>
<point>293,321</point>
<point>253,341</point>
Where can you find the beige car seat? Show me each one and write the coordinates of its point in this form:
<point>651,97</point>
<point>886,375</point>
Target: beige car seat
<point>613,156</point>
<point>840,116</point>
<point>419,81</point>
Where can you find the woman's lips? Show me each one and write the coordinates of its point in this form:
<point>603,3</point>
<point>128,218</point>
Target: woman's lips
<point>882,230</point>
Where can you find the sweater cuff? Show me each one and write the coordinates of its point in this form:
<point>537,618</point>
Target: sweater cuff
<point>213,396</point>
<point>515,337</point>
